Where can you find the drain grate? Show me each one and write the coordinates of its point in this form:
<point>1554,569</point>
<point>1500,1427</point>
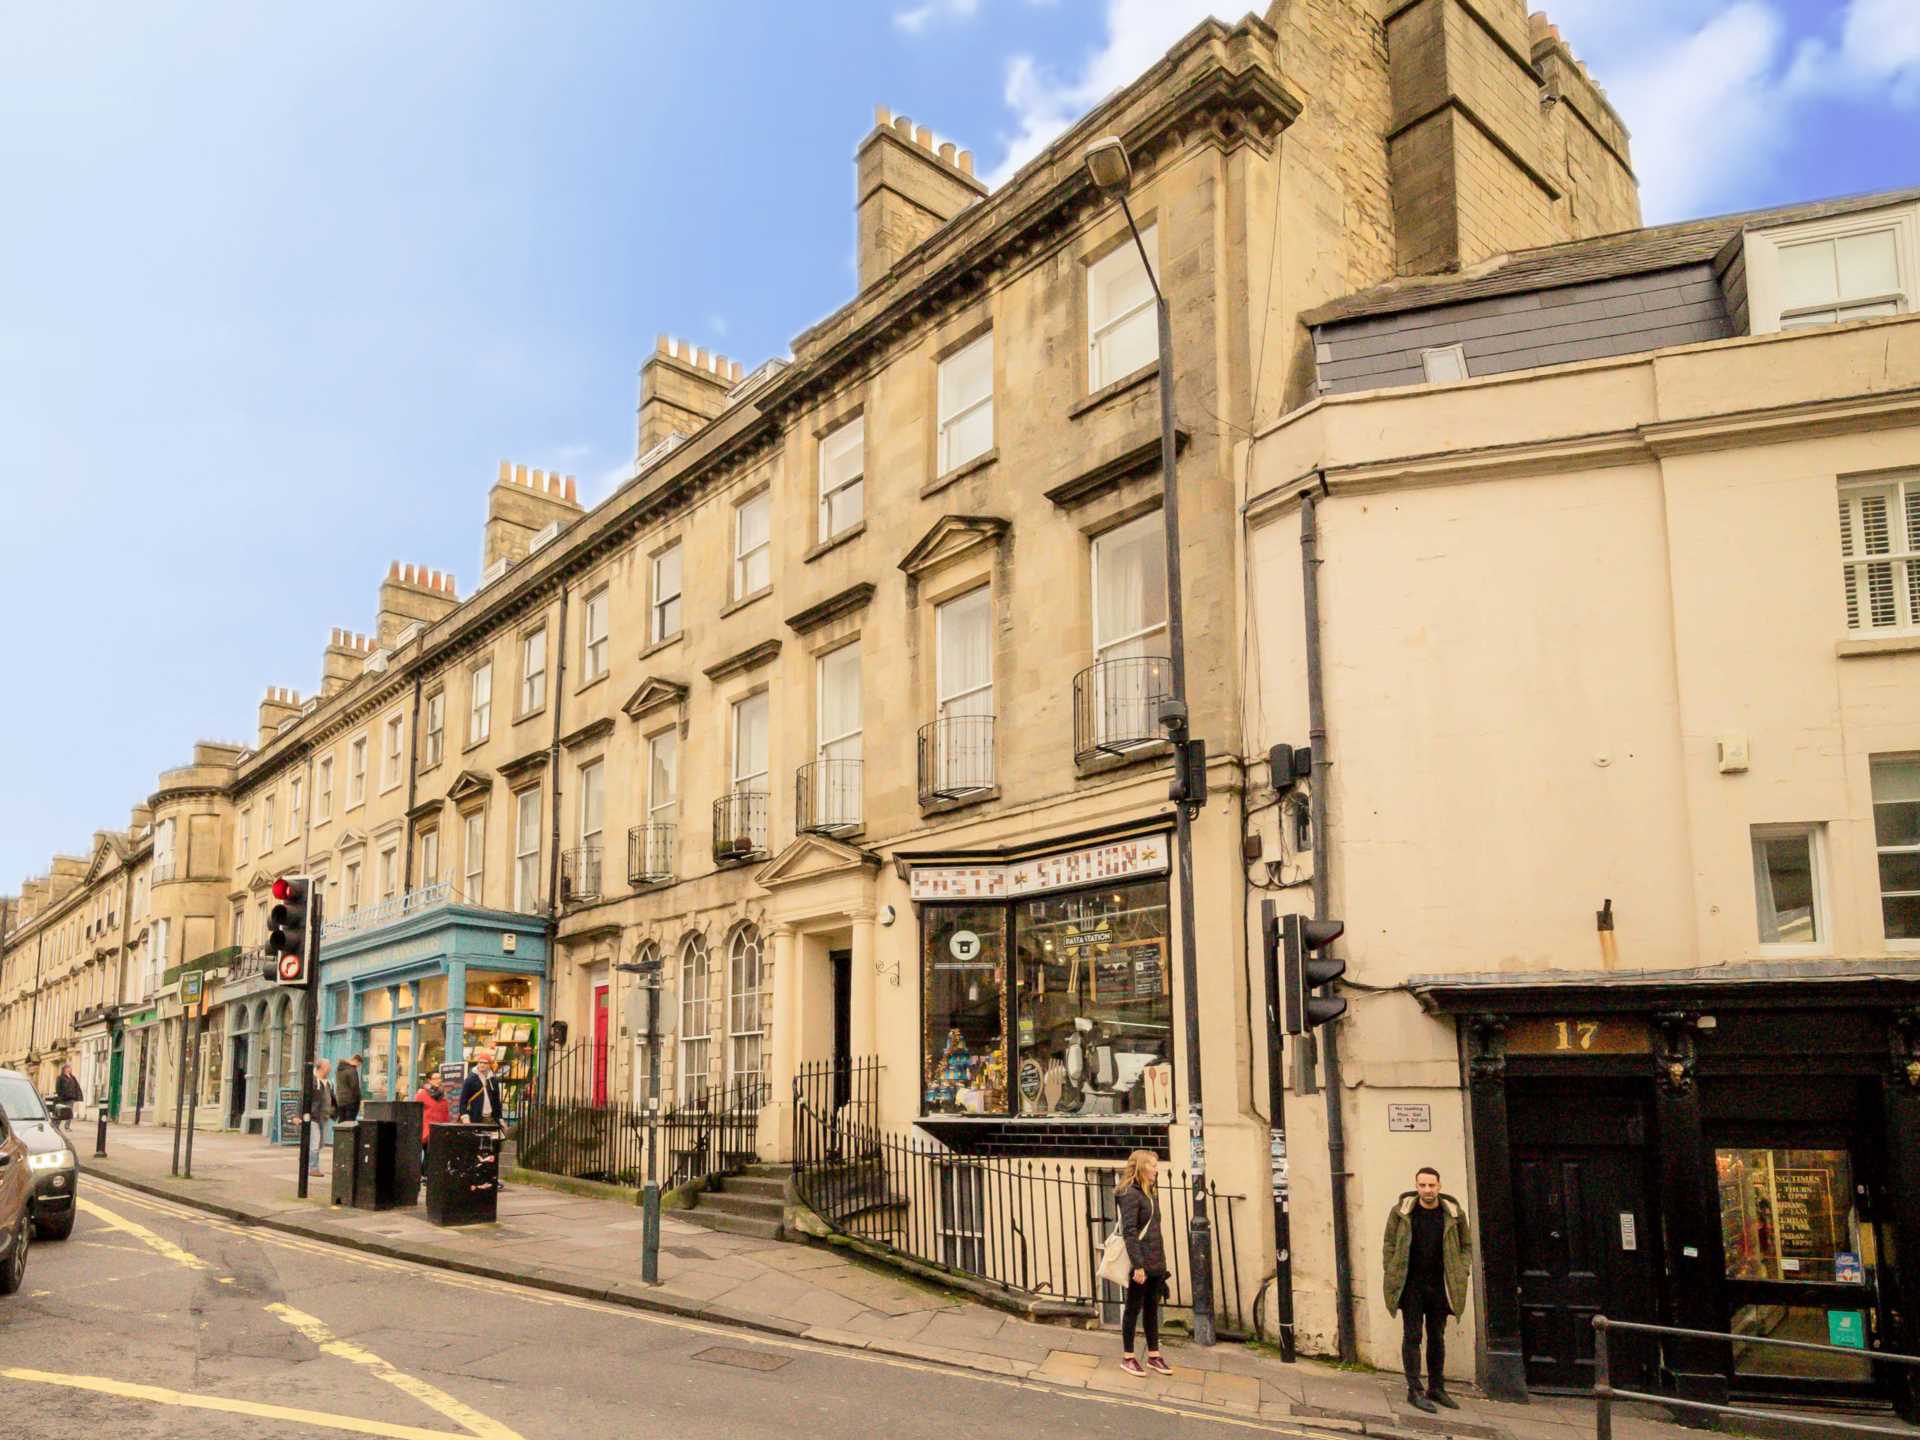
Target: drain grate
<point>742,1359</point>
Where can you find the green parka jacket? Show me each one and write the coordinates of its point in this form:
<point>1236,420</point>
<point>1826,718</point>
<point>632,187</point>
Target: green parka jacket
<point>1456,1251</point>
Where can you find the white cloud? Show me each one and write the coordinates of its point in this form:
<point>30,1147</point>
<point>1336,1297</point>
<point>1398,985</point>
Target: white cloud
<point>1045,101</point>
<point>717,325</point>
<point>1879,48</point>
<point>921,16</point>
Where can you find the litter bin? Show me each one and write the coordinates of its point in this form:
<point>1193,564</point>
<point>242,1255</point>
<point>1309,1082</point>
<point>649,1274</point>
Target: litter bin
<point>346,1160</point>
<point>463,1174</point>
<point>373,1181</point>
<point>406,1116</point>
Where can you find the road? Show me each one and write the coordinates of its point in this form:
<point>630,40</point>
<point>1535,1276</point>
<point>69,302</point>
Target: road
<point>159,1321</point>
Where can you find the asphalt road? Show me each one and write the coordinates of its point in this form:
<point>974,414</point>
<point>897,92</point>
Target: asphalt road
<point>158,1321</point>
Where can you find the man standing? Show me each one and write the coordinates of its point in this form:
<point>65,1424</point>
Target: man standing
<point>319,1110</point>
<point>1429,1257</point>
<point>480,1093</point>
<point>346,1089</point>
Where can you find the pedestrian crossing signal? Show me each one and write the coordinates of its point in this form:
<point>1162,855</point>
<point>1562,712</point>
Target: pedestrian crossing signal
<point>288,939</point>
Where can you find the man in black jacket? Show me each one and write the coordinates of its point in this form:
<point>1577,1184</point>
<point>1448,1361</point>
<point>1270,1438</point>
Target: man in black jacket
<point>346,1089</point>
<point>480,1093</point>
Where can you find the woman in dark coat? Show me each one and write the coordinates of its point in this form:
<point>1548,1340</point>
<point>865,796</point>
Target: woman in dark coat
<point>1139,1200</point>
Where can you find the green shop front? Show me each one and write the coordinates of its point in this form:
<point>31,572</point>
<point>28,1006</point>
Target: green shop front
<point>426,983</point>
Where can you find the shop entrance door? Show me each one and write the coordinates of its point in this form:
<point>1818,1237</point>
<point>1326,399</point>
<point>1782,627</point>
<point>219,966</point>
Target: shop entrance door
<point>1585,1235</point>
<point>1802,1262</point>
<point>114,1076</point>
<point>237,1101</point>
<point>599,1046</point>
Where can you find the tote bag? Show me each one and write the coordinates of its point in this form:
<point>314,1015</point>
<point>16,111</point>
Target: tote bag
<point>1115,1267</point>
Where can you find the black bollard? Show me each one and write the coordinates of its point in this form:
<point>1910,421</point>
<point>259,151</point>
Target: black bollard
<point>100,1137</point>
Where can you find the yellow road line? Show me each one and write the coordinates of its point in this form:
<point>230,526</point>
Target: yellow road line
<point>671,1322</point>
<point>431,1396</point>
<point>157,1395</point>
<point>145,1236</point>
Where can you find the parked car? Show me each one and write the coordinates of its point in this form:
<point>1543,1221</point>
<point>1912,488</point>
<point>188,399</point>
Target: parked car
<point>52,1169</point>
<point>16,1209</point>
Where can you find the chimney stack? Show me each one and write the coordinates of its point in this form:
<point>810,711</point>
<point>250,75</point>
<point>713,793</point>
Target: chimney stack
<point>521,505</point>
<point>342,660</point>
<point>905,190</point>
<point>279,705</point>
<point>410,593</point>
<point>682,387</point>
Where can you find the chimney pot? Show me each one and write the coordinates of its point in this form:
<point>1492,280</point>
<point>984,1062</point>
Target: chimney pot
<point>506,472</point>
<point>520,475</point>
<point>966,162</point>
<point>903,125</point>
<point>572,494</point>
<point>923,137</point>
<point>947,151</point>
<point>882,116</point>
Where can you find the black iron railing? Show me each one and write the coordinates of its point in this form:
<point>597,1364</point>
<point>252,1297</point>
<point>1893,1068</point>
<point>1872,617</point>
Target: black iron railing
<point>739,826</point>
<point>1117,704</point>
<point>1031,1227</point>
<point>827,797</point>
<point>580,874</point>
<point>956,757</point>
<point>580,1128</point>
<point>650,853</point>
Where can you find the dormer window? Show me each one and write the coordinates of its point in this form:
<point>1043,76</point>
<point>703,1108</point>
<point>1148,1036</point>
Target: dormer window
<point>1850,267</point>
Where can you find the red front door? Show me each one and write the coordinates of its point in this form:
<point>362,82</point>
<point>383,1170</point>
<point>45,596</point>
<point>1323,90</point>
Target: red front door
<point>599,1045</point>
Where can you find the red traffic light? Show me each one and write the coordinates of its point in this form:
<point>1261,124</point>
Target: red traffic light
<point>282,888</point>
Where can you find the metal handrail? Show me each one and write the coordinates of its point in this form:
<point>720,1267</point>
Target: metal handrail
<point>1605,1393</point>
<point>426,897</point>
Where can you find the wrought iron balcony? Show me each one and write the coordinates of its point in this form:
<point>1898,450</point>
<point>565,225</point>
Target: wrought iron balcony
<point>827,797</point>
<point>1117,704</point>
<point>650,853</point>
<point>956,758</point>
<point>369,917</point>
<point>740,827</point>
<point>580,875</point>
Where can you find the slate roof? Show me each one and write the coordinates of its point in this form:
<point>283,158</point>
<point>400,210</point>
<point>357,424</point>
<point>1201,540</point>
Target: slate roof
<point>1578,262</point>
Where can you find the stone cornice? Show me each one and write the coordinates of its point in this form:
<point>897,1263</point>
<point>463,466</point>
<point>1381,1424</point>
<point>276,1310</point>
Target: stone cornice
<point>1097,479</point>
<point>854,597</point>
<point>524,765</point>
<point>751,658</point>
<point>587,734</point>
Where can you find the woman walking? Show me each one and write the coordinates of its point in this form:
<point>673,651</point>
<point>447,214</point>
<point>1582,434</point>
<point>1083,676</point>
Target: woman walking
<point>1139,1198</point>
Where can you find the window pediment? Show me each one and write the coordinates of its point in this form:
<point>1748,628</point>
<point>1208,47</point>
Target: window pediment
<point>469,785</point>
<point>654,694</point>
<point>951,537</point>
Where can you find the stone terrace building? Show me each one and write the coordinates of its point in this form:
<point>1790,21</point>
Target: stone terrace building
<point>843,709</point>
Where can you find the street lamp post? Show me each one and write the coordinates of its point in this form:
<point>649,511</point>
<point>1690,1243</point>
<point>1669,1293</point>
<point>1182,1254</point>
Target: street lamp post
<point>1112,174</point>
<point>649,972</point>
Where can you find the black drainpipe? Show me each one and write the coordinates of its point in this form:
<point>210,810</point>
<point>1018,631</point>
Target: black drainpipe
<point>1322,885</point>
<point>553,861</point>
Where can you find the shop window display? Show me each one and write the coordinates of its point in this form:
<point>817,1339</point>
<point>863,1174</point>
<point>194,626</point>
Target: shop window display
<point>964,1045</point>
<point>1095,1003</point>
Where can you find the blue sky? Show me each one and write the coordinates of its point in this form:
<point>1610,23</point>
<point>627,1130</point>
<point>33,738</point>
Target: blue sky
<point>312,271</point>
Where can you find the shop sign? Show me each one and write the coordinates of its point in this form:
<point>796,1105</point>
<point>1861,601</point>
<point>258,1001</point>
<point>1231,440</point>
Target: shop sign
<point>1410,1119</point>
<point>192,986</point>
<point>1575,1035</point>
<point>1804,1218</point>
<point>1847,1328</point>
<point>1071,869</point>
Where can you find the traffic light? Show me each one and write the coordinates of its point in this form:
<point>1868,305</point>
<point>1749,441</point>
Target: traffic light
<point>1304,971</point>
<point>287,930</point>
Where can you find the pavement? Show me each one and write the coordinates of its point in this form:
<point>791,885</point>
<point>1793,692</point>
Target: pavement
<point>589,1249</point>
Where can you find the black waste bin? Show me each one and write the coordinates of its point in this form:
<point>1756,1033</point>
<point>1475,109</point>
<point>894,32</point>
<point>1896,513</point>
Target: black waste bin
<point>406,1116</point>
<point>373,1183</point>
<point>346,1161</point>
<point>463,1174</point>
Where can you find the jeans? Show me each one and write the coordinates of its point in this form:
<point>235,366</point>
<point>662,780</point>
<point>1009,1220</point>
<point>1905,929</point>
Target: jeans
<point>1143,1300</point>
<point>316,1143</point>
<point>1424,1305</point>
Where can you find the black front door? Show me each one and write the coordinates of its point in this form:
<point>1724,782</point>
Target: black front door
<point>237,1103</point>
<point>1585,1237</point>
<point>842,1024</point>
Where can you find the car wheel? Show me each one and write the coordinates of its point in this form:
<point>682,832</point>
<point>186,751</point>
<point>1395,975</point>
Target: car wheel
<point>13,1269</point>
<point>54,1229</point>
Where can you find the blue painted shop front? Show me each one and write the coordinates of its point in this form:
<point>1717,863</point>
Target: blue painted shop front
<point>429,989</point>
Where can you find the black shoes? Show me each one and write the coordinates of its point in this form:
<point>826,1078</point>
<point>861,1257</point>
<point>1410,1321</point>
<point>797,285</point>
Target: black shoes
<point>1421,1402</point>
<point>1441,1398</point>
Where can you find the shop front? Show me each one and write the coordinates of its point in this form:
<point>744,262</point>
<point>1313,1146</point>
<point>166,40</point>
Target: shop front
<point>1047,1013</point>
<point>140,1061</point>
<point>1735,1151</point>
<point>429,990</point>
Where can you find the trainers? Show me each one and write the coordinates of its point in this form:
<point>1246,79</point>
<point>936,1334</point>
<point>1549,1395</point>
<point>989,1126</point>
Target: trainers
<point>1131,1366</point>
<point>1440,1397</point>
<point>1421,1402</point>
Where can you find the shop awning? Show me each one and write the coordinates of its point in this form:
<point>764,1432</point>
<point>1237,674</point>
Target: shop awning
<point>1780,982</point>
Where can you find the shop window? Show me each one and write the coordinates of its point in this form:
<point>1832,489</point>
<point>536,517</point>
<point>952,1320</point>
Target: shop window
<point>433,992</point>
<point>498,990</point>
<point>1787,1216</point>
<point>432,1045</point>
<point>964,1045</point>
<point>1095,1002</point>
<point>338,1004</point>
<point>1896,838</point>
<point>376,1006</point>
<point>213,1048</point>
<point>1787,884</point>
